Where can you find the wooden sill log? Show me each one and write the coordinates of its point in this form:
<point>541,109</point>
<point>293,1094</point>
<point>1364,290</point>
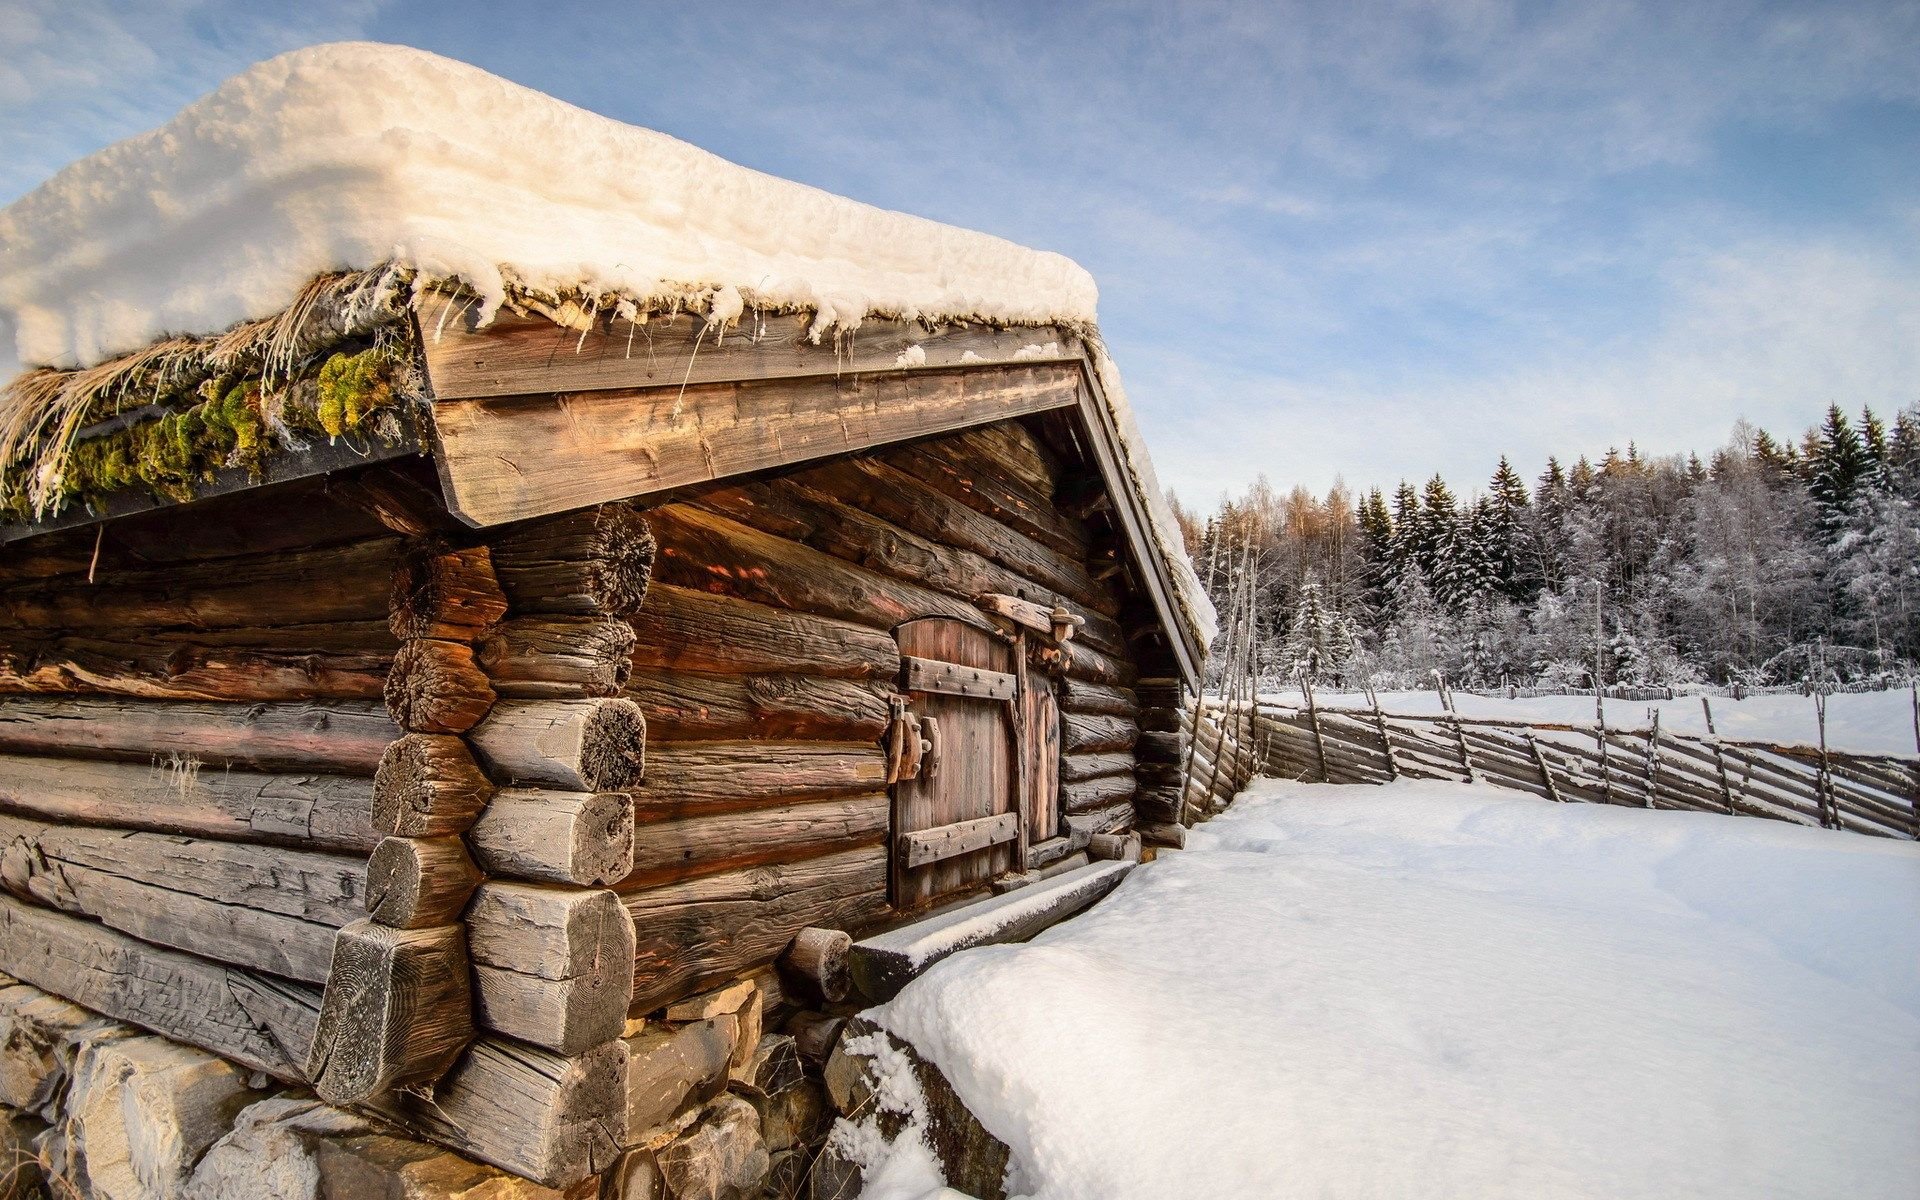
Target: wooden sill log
<point>414,883</point>
<point>582,838</point>
<point>679,848</point>
<point>577,745</point>
<point>261,1024</point>
<point>314,812</point>
<point>554,966</point>
<point>346,582</point>
<point>596,560</point>
<point>444,593</point>
<point>692,706</point>
<point>255,906</point>
<point>688,629</point>
<point>304,664</point>
<point>436,687</point>
<point>815,964</point>
<point>1096,735</point>
<point>554,657</point>
<point>689,777</point>
<point>703,932</point>
<point>708,552</point>
<point>552,1119</point>
<point>397,1011</point>
<point>428,785</point>
<point>343,737</point>
<point>1110,819</point>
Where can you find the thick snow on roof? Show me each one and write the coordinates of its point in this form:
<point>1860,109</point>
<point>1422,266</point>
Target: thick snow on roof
<point>358,154</point>
<point>1448,990</point>
<point>355,154</point>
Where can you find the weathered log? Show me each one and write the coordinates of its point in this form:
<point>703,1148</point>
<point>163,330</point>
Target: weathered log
<point>693,706</point>
<point>428,785</point>
<point>892,495</point>
<point>786,508</point>
<point>1160,747</point>
<point>332,583</point>
<point>678,848</point>
<point>673,1069</point>
<point>583,838</point>
<point>413,883</point>
<point>694,934</point>
<point>303,662</point>
<point>345,737</point>
<point>1090,665</point>
<point>553,965</point>
<point>1090,794</point>
<point>319,812</point>
<point>439,592</point>
<point>1077,767</point>
<point>959,467</point>
<point>816,964</point>
<point>578,745</point>
<point>397,1011</point>
<point>549,1118</point>
<point>706,552</point>
<point>253,1021</point>
<point>1080,696</point>
<point>689,777</point>
<point>1082,734</point>
<point>436,687</point>
<point>551,657</point>
<point>595,560</point>
<point>255,906</point>
<point>692,630</point>
<point>1110,819</point>
<point>1114,846</point>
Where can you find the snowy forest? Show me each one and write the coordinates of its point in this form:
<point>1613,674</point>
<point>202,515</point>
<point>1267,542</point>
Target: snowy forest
<point>1774,561</point>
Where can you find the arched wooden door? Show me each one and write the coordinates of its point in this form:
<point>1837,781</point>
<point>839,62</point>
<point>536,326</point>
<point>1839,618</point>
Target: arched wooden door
<point>956,824</point>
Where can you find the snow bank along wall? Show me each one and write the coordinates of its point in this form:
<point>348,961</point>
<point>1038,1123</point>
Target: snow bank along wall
<point>500,833</point>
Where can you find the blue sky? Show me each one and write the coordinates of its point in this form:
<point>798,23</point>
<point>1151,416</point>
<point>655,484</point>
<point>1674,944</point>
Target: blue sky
<point>1363,239</point>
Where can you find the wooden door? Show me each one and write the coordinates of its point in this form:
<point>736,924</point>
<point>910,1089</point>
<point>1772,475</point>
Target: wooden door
<point>956,824</point>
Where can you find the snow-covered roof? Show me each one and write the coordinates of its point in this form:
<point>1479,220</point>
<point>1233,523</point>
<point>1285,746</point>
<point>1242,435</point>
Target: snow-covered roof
<point>354,155</point>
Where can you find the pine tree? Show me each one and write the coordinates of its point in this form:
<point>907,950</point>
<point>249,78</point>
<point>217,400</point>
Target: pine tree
<point>1506,556</point>
<point>1839,465</point>
<point>1873,442</point>
<point>1403,551</point>
<point>1376,554</point>
<point>1549,539</point>
<point>1436,532</point>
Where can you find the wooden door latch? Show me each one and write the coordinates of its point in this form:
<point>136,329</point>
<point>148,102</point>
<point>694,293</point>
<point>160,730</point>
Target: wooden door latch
<point>913,742</point>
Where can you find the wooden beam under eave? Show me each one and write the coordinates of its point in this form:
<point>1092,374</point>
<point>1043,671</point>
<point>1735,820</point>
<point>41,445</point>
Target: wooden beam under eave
<point>504,460</point>
<point>519,355</point>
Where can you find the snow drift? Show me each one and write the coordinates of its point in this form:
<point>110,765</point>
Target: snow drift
<point>1445,990</point>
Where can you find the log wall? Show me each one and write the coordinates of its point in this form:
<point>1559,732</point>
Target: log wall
<point>416,805</point>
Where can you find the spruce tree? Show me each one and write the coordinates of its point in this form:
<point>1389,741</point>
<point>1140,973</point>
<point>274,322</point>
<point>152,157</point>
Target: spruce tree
<point>1838,467</point>
<point>1506,557</point>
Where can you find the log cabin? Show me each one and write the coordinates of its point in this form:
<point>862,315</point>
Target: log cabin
<point>437,685</point>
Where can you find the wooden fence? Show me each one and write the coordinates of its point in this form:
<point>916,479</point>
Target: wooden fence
<point>1222,756</point>
<point>1865,793</point>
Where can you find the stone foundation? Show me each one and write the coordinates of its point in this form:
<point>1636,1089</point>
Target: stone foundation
<point>721,1108</point>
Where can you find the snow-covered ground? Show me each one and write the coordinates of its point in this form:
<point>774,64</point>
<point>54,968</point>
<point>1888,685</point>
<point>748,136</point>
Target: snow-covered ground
<point>1446,990</point>
<point>1864,723</point>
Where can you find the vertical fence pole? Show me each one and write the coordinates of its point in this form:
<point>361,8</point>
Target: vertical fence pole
<point>1653,758</point>
<point>1386,743</point>
<point>1313,721</point>
<point>1719,756</point>
<point>1823,780</point>
<point>1459,730</point>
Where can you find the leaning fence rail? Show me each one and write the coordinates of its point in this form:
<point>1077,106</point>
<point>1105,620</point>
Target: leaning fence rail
<point>1584,761</point>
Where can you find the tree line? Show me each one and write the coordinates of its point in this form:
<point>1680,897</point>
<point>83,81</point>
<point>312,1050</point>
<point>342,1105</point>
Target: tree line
<point>1773,561</point>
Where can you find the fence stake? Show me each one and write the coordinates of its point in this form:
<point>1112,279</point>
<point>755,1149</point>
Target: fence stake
<point>1540,760</point>
<point>1606,759</point>
<point>1313,722</point>
<point>1823,780</point>
<point>1719,755</point>
<point>1653,758</point>
<point>1459,731</point>
<point>1386,743</point>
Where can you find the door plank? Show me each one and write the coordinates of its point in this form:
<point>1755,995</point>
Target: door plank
<point>952,679</point>
<point>925,846</point>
